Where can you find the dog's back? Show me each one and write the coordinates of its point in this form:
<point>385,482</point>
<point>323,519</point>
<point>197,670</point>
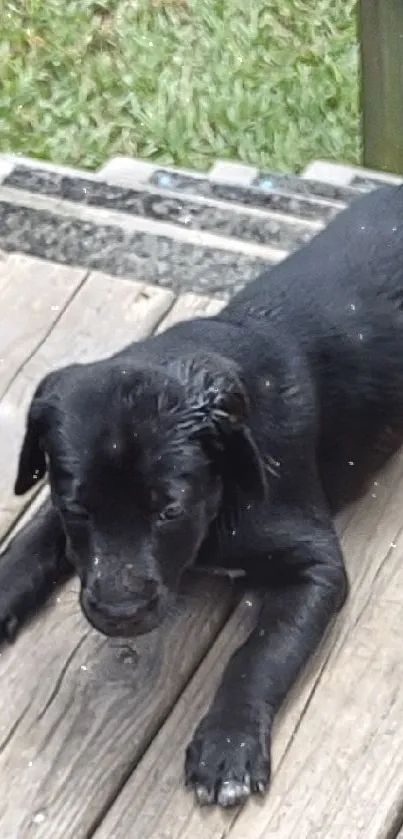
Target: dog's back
<point>359,255</point>
<point>341,299</point>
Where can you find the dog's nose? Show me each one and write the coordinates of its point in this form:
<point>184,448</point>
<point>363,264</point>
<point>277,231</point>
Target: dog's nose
<point>132,604</point>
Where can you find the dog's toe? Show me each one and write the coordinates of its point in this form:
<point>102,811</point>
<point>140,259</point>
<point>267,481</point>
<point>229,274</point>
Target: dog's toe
<point>204,794</point>
<point>233,792</point>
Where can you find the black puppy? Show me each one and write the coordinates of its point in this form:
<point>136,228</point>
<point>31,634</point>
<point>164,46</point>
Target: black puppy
<point>225,441</point>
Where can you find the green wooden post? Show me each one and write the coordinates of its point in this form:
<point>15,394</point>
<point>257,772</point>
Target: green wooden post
<point>381,39</point>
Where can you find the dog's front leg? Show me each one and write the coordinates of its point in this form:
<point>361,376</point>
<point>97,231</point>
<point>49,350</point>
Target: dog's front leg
<point>31,566</point>
<point>229,756</point>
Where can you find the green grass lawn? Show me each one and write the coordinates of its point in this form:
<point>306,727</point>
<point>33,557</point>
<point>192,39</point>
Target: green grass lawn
<point>179,81</point>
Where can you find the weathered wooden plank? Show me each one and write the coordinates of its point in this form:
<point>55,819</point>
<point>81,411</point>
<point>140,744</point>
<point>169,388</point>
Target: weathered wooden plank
<point>324,734</point>
<point>33,294</point>
<point>343,771</point>
<point>153,804</point>
<point>77,710</point>
<point>381,38</point>
<point>104,314</point>
<point>187,305</point>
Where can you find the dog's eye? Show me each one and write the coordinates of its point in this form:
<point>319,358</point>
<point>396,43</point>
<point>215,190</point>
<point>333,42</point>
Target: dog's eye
<point>171,511</point>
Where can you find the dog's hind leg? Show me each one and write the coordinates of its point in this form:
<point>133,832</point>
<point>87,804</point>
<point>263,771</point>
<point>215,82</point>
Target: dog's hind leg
<point>32,565</point>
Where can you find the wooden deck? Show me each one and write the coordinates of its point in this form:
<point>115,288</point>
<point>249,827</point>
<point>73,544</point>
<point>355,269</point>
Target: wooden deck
<point>92,731</point>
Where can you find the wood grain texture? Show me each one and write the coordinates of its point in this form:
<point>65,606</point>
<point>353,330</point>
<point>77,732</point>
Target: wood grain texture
<point>154,803</point>
<point>342,775</point>
<point>77,710</point>
<point>337,751</point>
<point>33,294</point>
<point>188,306</point>
<point>104,314</point>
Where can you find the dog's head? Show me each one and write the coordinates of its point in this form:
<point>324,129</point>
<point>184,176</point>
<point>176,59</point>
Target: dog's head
<point>141,461</point>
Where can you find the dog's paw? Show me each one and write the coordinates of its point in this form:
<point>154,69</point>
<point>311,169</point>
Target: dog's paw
<point>11,613</point>
<point>226,765</point>
<point>17,596</point>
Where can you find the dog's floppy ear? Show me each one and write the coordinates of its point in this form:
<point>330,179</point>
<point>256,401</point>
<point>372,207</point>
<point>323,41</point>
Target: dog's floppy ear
<point>32,462</point>
<point>218,409</point>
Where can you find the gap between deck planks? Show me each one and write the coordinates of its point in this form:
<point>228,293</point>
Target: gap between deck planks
<point>76,711</point>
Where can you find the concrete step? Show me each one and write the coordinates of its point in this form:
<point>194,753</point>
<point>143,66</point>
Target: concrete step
<point>204,232</point>
<point>156,253</point>
<point>192,211</point>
